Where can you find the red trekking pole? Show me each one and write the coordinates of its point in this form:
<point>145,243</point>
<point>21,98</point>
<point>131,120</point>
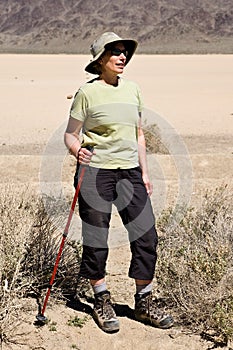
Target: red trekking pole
<point>41,317</point>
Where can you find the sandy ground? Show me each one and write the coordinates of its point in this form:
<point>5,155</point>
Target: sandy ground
<point>189,97</point>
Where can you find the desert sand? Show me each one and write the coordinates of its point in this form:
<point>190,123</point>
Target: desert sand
<point>189,96</point>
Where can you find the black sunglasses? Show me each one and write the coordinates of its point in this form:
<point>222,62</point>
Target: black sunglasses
<point>118,52</point>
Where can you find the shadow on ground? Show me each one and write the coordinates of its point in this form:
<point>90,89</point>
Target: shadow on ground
<point>122,310</point>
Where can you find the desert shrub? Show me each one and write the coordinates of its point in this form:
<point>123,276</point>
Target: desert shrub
<point>29,243</point>
<point>13,228</point>
<point>195,266</point>
<point>153,139</point>
<point>42,248</point>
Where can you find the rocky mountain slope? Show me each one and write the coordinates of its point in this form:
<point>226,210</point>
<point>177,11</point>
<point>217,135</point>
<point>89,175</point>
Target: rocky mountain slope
<point>160,26</point>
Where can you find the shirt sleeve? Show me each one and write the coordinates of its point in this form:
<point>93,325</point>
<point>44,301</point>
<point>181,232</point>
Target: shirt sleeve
<point>79,106</point>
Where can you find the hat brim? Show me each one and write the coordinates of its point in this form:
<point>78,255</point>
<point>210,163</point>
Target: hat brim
<point>130,46</point>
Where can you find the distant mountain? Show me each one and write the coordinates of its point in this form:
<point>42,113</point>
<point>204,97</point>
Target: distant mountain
<point>160,26</point>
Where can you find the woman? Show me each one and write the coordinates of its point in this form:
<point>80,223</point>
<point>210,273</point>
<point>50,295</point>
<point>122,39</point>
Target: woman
<point>108,110</point>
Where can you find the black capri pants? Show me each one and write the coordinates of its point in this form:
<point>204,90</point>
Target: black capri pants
<point>100,189</point>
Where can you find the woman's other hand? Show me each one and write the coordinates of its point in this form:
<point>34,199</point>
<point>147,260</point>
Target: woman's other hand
<point>148,184</point>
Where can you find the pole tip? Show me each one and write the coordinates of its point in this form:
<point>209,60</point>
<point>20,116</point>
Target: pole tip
<point>41,320</point>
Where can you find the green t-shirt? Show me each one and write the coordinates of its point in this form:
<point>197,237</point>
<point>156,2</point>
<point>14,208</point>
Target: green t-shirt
<point>110,115</point>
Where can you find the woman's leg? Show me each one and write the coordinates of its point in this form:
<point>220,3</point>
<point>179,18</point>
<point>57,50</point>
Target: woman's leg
<point>137,216</point>
<point>95,204</point>
<point>135,209</point>
<point>95,212</point>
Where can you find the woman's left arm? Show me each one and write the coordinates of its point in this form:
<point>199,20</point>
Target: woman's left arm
<point>142,158</point>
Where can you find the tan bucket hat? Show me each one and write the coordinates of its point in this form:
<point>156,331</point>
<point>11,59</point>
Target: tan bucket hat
<point>99,46</point>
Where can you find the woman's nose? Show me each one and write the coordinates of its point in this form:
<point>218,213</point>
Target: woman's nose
<point>122,55</point>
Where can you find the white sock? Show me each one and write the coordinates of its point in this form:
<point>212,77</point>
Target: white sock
<point>144,288</point>
<point>99,288</point>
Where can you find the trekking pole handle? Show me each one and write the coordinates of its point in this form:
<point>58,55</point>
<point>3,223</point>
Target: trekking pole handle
<point>90,148</point>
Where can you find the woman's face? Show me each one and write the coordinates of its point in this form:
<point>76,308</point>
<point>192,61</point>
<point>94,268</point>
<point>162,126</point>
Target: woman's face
<point>114,59</point>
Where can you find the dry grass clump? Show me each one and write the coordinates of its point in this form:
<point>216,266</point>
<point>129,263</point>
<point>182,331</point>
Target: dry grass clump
<point>29,243</point>
<point>153,139</point>
<point>41,251</point>
<point>14,225</point>
<point>195,267</point>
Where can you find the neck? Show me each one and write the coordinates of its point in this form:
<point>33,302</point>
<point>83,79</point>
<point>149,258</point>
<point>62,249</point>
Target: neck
<point>109,79</point>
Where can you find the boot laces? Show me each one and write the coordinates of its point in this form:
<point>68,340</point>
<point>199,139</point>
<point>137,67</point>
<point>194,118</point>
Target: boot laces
<point>104,306</point>
<point>149,305</point>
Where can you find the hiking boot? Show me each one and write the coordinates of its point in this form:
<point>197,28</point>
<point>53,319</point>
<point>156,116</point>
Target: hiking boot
<point>147,312</point>
<point>104,314</point>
